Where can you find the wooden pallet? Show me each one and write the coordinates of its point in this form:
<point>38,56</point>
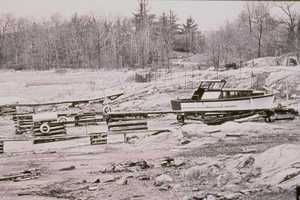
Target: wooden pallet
<point>23,123</point>
<point>56,128</point>
<point>127,124</point>
<point>85,119</point>
<point>98,138</point>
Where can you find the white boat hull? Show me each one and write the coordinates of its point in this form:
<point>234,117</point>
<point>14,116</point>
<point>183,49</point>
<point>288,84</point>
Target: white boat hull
<point>255,103</point>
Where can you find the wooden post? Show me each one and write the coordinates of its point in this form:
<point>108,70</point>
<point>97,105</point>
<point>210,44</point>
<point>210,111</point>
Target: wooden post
<point>1,146</point>
<point>287,90</point>
<point>125,138</point>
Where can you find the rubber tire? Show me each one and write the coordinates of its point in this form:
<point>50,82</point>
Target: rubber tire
<point>45,125</point>
<point>106,109</point>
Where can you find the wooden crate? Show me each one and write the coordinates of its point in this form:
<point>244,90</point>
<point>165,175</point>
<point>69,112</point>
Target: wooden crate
<point>55,128</point>
<point>98,138</point>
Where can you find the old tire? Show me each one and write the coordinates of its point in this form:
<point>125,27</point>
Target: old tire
<point>62,119</point>
<point>107,109</point>
<point>45,128</point>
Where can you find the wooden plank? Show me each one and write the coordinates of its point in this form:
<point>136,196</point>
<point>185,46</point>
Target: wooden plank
<point>129,128</point>
<point>52,139</point>
<point>137,131</point>
<point>95,100</point>
<point>126,123</point>
<point>139,113</point>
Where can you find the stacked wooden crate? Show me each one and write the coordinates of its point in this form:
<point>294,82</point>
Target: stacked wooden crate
<point>45,126</point>
<point>126,124</point>
<point>23,123</point>
<point>45,131</point>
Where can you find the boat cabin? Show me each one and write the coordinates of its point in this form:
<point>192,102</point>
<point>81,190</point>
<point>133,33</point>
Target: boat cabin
<point>214,89</point>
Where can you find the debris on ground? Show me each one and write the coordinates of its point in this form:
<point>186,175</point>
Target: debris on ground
<point>22,176</point>
<point>171,162</point>
<point>72,167</point>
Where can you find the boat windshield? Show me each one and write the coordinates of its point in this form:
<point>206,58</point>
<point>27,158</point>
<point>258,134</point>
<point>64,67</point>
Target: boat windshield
<point>212,85</point>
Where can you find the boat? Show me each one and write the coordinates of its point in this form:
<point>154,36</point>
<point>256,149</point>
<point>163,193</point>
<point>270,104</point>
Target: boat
<point>212,96</point>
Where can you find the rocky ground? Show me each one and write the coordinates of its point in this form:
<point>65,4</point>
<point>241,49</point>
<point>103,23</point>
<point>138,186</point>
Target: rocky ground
<point>246,161</point>
<point>249,160</point>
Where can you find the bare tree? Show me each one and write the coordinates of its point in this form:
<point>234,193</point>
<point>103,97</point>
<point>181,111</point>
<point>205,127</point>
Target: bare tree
<point>261,19</point>
<point>289,20</point>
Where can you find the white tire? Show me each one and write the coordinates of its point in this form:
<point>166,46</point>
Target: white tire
<point>45,128</point>
<point>106,109</point>
<point>62,119</point>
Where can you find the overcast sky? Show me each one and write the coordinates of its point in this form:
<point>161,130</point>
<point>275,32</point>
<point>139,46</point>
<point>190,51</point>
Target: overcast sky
<point>208,14</point>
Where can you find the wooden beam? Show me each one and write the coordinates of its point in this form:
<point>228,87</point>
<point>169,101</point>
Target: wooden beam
<point>100,99</point>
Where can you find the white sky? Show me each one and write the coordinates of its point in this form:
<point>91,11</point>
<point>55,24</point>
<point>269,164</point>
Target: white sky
<point>208,14</point>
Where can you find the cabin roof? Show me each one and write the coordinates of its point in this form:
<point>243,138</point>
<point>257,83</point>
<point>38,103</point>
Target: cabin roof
<point>212,80</point>
<point>237,89</point>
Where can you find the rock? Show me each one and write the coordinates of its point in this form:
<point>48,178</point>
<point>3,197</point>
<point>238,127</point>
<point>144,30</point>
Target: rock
<point>143,177</point>
<point>195,172</point>
<point>72,167</point>
<point>184,142</point>
<point>231,196</point>
<point>171,162</point>
<point>163,179</point>
<point>108,179</point>
<point>165,187</point>
<point>97,180</point>
<point>197,196</point>
<point>224,178</point>
<point>179,163</point>
<point>167,162</point>
<point>113,168</point>
<point>92,187</point>
<point>248,162</point>
<point>211,197</point>
<point>141,164</point>
<point>122,181</point>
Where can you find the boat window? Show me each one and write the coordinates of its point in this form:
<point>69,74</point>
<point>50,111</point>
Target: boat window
<point>212,85</point>
<point>217,86</point>
<point>205,85</point>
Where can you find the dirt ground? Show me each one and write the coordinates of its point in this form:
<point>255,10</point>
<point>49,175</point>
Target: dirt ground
<point>251,160</point>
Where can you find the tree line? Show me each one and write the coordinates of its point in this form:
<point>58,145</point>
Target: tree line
<point>256,33</point>
<point>145,39</point>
